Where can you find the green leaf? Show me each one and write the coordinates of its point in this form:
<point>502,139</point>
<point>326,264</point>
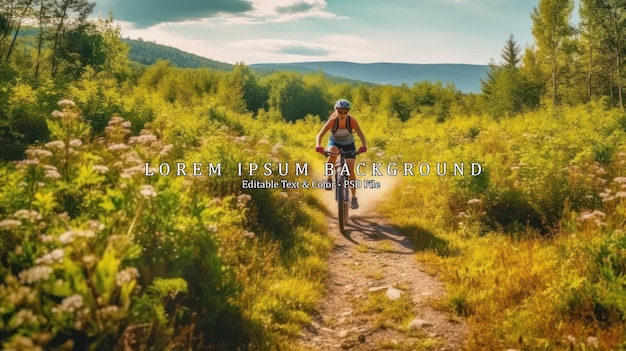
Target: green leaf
<point>106,269</point>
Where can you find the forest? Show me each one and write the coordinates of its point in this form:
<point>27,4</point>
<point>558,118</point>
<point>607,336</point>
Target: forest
<point>94,255</point>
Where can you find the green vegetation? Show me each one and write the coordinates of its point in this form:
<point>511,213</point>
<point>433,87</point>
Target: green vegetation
<point>96,255</point>
<point>147,53</point>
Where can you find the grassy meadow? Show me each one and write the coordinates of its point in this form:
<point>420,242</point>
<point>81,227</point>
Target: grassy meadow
<point>532,250</point>
<point>95,255</point>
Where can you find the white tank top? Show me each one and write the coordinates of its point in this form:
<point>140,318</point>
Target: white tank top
<point>342,136</point>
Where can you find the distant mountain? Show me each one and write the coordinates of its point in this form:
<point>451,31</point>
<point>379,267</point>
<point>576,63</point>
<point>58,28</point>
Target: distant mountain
<point>148,53</point>
<point>266,69</point>
<point>465,77</point>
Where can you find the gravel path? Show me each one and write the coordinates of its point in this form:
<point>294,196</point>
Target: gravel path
<point>371,257</point>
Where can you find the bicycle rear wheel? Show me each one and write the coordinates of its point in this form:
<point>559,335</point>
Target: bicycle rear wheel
<point>341,201</point>
<point>346,205</point>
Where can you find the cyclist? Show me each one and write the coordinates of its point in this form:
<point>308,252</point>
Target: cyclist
<point>341,126</point>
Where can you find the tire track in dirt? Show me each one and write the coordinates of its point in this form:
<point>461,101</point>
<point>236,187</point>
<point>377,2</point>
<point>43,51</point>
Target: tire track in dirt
<point>372,256</point>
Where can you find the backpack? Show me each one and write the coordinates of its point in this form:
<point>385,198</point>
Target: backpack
<point>336,125</point>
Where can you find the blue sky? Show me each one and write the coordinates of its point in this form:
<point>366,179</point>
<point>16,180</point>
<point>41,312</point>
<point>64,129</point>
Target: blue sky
<point>365,31</point>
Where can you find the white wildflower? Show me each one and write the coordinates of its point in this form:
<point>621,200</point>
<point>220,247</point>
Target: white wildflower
<point>145,139</point>
<point>147,191</point>
<point>95,225</point>
<point>593,341</point>
<point>10,223</point>
<point>473,201</point>
<point>23,317</point>
<point>585,216</point>
<point>620,194</point>
<point>71,235</point>
<point>89,260</point>
<point>126,276</point>
<point>620,179</point>
<point>276,148</point>
<point>100,169</point>
<point>132,158</point>
<point>118,147</point>
<point>107,312</point>
<point>35,274</point>
<point>57,114</point>
<point>38,153</point>
<point>247,234</point>
<point>66,103</point>
<point>126,124</point>
<point>166,149</point>
<point>56,256</point>
<point>242,139</point>
<point>28,162</point>
<point>50,174</point>
<point>115,120</point>
<point>76,142</point>
<point>598,213</point>
<point>57,144</point>
<point>71,303</point>
<point>244,198</point>
<point>29,215</point>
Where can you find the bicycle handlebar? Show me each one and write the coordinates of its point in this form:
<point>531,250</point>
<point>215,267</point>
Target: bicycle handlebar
<point>353,152</point>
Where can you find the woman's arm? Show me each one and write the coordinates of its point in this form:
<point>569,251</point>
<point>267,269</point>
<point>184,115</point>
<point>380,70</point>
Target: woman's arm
<point>322,132</point>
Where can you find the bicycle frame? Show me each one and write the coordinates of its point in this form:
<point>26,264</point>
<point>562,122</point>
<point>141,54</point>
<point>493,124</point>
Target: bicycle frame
<point>342,191</point>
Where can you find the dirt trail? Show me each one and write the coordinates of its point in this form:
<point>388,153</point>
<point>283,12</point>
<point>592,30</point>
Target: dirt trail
<point>368,259</point>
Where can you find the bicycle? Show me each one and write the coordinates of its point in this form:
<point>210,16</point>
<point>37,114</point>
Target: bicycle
<point>342,190</point>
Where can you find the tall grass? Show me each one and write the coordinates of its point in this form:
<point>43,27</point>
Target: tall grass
<point>531,250</point>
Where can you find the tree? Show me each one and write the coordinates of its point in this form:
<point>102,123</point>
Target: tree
<point>616,25</point>
<point>506,89</point>
<point>12,14</point>
<point>601,30</point>
<point>293,98</point>
<point>511,53</point>
<point>66,14</point>
<point>42,12</point>
<point>240,90</point>
<point>551,29</point>
<point>81,47</point>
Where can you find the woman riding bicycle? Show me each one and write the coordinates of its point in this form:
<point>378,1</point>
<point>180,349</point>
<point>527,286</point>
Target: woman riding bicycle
<point>341,126</point>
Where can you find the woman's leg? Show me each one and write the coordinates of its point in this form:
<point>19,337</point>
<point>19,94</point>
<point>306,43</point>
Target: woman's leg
<point>351,162</point>
<point>332,158</point>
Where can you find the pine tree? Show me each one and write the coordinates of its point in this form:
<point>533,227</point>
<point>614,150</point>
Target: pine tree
<point>511,53</point>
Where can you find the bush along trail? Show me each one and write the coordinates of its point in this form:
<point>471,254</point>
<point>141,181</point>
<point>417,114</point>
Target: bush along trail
<point>378,296</point>
<point>96,255</point>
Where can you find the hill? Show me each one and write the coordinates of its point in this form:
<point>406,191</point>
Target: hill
<point>148,53</point>
<point>465,77</point>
